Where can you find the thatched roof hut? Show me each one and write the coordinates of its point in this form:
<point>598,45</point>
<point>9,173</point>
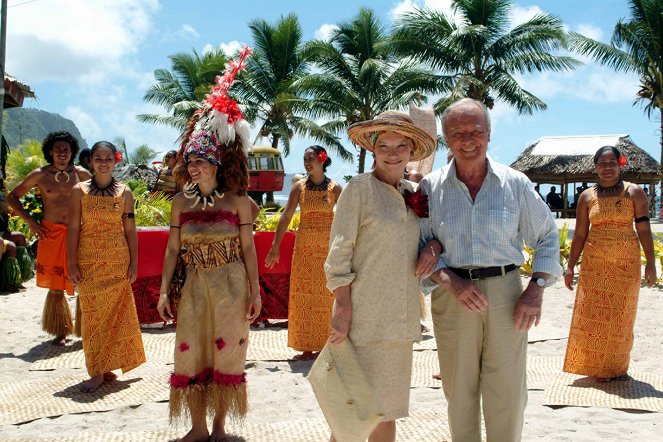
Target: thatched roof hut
<point>564,160</point>
<point>561,160</point>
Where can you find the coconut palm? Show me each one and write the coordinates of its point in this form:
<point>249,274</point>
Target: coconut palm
<point>636,46</point>
<point>480,54</point>
<point>264,89</point>
<point>141,155</point>
<point>181,89</point>
<point>360,76</point>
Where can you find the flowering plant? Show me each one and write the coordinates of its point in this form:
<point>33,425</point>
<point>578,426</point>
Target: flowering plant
<point>322,157</point>
<point>417,201</point>
<point>622,161</point>
<point>118,156</point>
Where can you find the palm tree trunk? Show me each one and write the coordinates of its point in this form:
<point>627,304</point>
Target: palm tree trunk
<point>362,160</point>
<point>269,196</point>
<point>660,190</point>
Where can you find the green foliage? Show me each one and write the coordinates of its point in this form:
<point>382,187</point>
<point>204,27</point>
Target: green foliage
<point>268,220</point>
<point>138,187</point>
<point>22,160</point>
<point>658,253</point>
<point>564,251</point>
<point>142,155</point>
<point>16,224</point>
<point>479,55</point>
<point>152,209</point>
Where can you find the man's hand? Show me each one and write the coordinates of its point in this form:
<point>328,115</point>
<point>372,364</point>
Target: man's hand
<point>528,307</point>
<point>40,231</point>
<point>340,323</point>
<point>467,293</point>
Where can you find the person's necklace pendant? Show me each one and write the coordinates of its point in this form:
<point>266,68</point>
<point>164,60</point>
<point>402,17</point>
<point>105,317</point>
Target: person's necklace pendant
<point>192,191</point>
<point>61,172</point>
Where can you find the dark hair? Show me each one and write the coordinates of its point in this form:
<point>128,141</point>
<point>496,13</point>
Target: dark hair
<point>99,144</point>
<point>171,152</point>
<point>232,174</point>
<point>85,153</point>
<point>318,149</point>
<point>54,137</point>
<point>605,149</point>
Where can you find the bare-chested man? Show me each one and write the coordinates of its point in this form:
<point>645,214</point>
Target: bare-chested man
<point>55,182</point>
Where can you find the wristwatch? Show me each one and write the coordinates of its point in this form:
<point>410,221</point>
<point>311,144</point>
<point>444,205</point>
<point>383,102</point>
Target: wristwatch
<point>539,281</point>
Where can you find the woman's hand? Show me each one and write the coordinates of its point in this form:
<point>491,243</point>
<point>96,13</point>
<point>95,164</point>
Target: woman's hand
<point>132,272</point>
<point>340,323</point>
<point>272,257</point>
<point>163,307</point>
<point>428,258</point>
<point>650,274</point>
<point>74,275</point>
<point>568,278</point>
<point>254,305</point>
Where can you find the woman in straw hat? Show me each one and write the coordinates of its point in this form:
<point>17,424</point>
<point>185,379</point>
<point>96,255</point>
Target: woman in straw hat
<point>372,267</point>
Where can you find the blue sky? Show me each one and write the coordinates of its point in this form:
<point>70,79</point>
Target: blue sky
<point>92,61</point>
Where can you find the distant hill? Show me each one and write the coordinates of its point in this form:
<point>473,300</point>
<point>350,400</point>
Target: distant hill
<point>22,124</point>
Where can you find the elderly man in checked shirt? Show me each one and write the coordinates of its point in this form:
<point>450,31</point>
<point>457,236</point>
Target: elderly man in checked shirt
<point>483,213</point>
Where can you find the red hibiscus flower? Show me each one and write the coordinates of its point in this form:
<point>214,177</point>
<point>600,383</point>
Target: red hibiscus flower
<point>622,161</point>
<point>417,201</point>
<point>322,157</point>
<point>118,156</point>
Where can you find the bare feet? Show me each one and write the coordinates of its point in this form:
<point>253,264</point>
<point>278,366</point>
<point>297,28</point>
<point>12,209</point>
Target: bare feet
<point>196,435</point>
<point>91,385</point>
<point>59,341</point>
<point>306,356</point>
<point>623,377</point>
<point>424,329</point>
<point>110,376</point>
<point>218,430</point>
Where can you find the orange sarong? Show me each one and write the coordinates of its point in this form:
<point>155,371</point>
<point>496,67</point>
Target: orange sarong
<point>601,334</point>
<point>109,322</point>
<point>52,259</point>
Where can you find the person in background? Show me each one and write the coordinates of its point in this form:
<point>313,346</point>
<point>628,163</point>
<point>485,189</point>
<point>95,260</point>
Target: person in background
<point>601,335</point>
<point>310,303</point>
<point>55,182</point>
<point>166,182</point>
<point>554,201</point>
<point>84,158</point>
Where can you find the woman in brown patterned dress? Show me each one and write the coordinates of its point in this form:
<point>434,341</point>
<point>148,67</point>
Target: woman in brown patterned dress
<point>310,303</point>
<point>601,334</point>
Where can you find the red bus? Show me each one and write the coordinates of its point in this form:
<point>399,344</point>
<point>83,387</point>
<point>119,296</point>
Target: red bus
<point>266,172</point>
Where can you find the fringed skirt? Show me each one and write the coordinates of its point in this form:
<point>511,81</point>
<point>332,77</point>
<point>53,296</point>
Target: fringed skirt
<point>211,341</point>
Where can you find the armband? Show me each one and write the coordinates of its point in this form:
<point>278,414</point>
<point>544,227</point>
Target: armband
<point>642,219</point>
<point>129,215</point>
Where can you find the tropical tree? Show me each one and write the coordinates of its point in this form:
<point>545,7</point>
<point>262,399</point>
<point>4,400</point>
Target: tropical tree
<point>480,54</point>
<point>181,89</point>
<point>360,76</point>
<point>636,46</point>
<point>141,155</point>
<point>265,88</point>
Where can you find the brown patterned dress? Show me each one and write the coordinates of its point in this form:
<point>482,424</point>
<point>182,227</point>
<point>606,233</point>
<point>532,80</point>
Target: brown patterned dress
<point>310,304</point>
<point>109,323</point>
<point>212,329</point>
<point>601,334</point>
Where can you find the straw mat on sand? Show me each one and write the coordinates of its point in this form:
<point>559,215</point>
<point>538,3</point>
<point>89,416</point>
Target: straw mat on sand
<point>419,427</point>
<point>158,347</point>
<point>269,345</point>
<point>54,396</point>
<point>642,391</point>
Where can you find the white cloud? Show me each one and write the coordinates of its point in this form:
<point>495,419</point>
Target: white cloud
<point>591,31</point>
<point>325,31</point>
<point>188,31</point>
<point>229,48</point>
<point>409,5</point>
<point>520,14</point>
<point>89,128</point>
<point>67,40</point>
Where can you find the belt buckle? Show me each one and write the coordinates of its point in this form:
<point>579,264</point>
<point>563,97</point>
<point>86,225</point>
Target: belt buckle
<point>474,276</point>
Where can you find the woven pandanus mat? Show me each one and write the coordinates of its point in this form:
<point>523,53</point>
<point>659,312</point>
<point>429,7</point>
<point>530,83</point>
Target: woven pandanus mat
<point>269,345</point>
<point>547,332</point>
<point>419,427</point>
<point>54,396</point>
<point>641,391</point>
<point>158,347</point>
<point>541,370</point>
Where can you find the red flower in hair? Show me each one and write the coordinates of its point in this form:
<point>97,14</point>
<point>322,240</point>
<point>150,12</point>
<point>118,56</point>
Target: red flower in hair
<point>417,201</point>
<point>622,161</point>
<point>322,157</point>
<point>118,156</point>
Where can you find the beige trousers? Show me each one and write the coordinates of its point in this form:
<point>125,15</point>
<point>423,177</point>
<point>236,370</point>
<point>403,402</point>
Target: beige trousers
<point>483,359</point>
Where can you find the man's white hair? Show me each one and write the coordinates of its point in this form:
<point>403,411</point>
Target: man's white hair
<point>461,103</point>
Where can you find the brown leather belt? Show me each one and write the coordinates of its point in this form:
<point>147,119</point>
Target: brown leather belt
<point>483,272</point>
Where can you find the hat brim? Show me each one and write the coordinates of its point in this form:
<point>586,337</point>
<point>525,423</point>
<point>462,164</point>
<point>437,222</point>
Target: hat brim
<point>363,134</point>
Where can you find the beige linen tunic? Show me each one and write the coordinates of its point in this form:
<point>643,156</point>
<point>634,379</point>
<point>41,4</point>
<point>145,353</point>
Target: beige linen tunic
<point>374,245</point>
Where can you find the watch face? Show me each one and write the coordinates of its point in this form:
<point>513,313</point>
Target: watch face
<point>540,282</point>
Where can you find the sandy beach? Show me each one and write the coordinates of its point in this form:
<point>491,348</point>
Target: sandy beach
<point>282,404</point>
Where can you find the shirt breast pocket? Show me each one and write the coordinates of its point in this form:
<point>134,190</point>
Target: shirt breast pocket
<point>503,227</point>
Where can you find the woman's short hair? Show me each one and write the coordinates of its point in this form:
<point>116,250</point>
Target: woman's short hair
<point>604,149</point>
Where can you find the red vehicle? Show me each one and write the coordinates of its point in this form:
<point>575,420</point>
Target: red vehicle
<point>266,172</point>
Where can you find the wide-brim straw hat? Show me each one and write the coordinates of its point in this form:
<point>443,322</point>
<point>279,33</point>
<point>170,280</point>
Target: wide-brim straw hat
<point>365,133</point>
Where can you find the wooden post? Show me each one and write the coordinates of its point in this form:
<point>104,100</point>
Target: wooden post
<point>565,195</point>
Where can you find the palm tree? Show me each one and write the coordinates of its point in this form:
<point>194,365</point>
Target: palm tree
<point>141,155</point>
<point>181,89</point>
<point>265,91</point>
<point>360,76</point>
<point>479,54</point>
<point>636,46</point>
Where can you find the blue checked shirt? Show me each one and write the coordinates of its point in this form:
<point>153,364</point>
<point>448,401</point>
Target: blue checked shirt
<point>491,230</point>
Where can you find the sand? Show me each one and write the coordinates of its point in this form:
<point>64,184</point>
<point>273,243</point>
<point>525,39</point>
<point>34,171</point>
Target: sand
<point>280,395</point>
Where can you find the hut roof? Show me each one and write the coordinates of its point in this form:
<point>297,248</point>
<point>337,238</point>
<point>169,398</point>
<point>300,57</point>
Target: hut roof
<point>570,159</point>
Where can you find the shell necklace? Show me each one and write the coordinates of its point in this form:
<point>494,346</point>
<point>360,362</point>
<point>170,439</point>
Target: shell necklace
<point>61,172</point>
<point>192,191</point>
